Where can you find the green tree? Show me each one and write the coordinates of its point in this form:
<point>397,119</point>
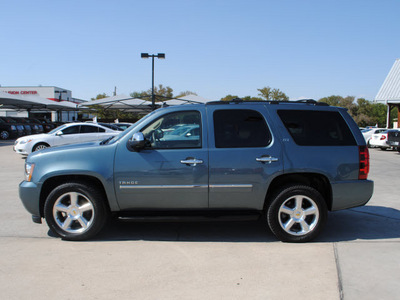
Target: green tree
<point>100,96</point>
<point>272,94</point>
<point>161,93</point>
<point>185,93</point>
<point>363,111</point>
<point>229,97</point>
<point>331,100</point>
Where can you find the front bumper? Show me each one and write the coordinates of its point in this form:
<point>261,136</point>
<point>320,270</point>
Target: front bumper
<point>29,193</point>
<point>20,150</point>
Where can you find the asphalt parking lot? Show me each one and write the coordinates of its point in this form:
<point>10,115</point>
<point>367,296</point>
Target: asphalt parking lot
<point>356,257</point>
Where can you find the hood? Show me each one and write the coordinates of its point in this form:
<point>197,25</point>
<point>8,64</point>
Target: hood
<point>33,136</point>
<point>68,148</point>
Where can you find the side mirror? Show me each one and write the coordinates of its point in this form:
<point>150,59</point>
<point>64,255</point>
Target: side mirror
<point>137,142</point>
<point>59,133</point>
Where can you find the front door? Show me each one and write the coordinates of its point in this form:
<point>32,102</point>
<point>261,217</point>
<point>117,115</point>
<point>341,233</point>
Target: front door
<point>172,171</point>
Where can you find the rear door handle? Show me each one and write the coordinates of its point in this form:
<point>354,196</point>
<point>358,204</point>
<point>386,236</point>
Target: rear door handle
<point>191,161</point>
<point>266,159</point>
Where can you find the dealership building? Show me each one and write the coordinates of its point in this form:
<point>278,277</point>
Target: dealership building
<point>52,93</point>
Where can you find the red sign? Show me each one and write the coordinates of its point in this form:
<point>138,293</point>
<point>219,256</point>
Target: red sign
<point>22,92</point>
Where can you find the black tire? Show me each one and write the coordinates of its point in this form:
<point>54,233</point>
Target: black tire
<point>4,134</point>
<point>76,211</point>
<point>304,220</point>
<point>40,146</point>
<point>383,148</point>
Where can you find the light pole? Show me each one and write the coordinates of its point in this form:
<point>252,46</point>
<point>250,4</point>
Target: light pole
<point>158,55</point>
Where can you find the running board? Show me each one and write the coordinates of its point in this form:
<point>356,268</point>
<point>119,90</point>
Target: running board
<point>188,217</point>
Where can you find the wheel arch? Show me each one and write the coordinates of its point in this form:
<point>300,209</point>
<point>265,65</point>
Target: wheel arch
<point>53,182</point>
<point>314,180</point>
<point>39,143</point>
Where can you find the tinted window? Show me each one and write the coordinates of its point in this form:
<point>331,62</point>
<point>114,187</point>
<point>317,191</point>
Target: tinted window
<point>317,128</point>
<point>240,129</point>
<point>89,129</point>
<point>175,131</point>
<point>71,130</point>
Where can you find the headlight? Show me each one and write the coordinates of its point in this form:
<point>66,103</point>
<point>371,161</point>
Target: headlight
<point>29,171</point>
<point>22,142</point>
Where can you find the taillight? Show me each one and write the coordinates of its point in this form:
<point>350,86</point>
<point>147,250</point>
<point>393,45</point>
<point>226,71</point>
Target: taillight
<point>383,137</point>
<point>364,163</point>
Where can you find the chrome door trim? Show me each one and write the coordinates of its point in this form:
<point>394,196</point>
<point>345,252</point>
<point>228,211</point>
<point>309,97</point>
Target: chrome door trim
<point>134,186</point>
<point>237,188</point>
<point>231,186</point>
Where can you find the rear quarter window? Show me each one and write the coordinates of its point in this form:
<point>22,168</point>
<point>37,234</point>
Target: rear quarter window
<point>317,128</point>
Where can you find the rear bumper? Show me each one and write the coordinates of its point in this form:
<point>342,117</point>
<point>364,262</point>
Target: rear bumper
<point>347,194</point>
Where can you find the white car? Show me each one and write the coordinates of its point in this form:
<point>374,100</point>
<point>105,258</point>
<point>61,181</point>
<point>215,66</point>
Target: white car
<point>71,133</point>
<point>368,132</point>
<point>379,140</point>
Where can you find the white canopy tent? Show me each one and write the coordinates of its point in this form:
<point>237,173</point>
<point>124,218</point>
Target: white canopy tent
<point>189,99</point>
<point>129,104</point>
<point>120,102</point>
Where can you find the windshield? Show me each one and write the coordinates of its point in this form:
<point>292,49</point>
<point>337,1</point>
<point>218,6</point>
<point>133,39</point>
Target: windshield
<point>56,129</point>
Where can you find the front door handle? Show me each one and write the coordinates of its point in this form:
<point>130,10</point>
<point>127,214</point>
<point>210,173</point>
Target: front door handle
<point>266,159</point>
<point>191,161</point>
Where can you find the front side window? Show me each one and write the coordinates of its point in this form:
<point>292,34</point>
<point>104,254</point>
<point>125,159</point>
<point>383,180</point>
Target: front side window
<point>240,128</point>
<point>71,130</point>
<point>175,131</point>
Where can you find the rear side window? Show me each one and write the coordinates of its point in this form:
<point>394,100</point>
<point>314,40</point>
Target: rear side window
<point>317,128</point>
<point>238,128</point>
<point>89,129</point>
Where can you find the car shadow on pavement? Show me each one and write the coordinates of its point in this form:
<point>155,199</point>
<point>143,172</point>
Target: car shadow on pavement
<point>363,223</point>
<point>229,231</point>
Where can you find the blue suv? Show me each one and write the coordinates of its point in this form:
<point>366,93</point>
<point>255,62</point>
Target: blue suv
<point>286,162</point>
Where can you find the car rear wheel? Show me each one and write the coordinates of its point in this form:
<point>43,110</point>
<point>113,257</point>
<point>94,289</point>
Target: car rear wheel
<point>4,134</point>
<point>296,213</point>
<point>75,211</point>
<point>39,147</point>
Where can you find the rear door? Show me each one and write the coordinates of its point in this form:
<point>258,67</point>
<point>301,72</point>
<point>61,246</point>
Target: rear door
<point>244,156</point>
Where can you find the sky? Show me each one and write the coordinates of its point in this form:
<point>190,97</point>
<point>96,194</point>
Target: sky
<point>305,48</point>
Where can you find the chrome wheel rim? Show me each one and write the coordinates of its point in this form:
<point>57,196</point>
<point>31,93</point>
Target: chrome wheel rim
<point>298,215</point>
<point>4,135</point>
<point>40,147</point>
<point>73,212</point>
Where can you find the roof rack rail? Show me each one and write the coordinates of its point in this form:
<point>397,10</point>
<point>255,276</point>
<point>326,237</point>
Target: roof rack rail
<point>312,101</point>
<point>240,100</point>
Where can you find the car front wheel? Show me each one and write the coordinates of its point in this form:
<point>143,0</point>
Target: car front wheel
<point>4,134</point>
<point>75,211</point>
<point>39,147</point>
<point>296,213</point>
